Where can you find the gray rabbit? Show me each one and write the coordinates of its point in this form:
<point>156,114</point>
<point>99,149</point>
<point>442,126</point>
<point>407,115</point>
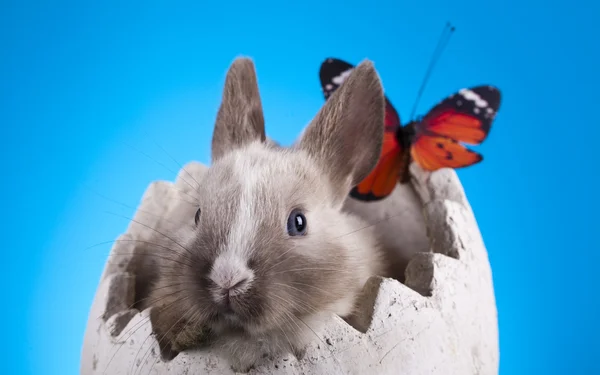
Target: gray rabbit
<point>271,251</point>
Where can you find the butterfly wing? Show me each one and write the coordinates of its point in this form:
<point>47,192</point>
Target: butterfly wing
<point>332,74</point>
<point>392,161</point>
<point>463,117</point>
<point>436,152</point>
<point>383,178</point>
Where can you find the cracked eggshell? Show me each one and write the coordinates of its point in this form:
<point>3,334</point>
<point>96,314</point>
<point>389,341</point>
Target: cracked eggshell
<point>442,320</point>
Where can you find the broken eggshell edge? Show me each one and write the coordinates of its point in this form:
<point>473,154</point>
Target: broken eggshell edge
<point>443,320</point>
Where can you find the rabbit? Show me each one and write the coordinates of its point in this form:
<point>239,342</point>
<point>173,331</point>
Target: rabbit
<point>271,253</point>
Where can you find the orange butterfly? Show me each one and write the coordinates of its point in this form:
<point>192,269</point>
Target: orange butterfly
<point>433,142</point>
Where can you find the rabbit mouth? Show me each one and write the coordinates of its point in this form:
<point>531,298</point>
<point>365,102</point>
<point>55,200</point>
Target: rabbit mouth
<point>231,318</point>
<point>234,314</point>
<point>242,322</point>
<point>231,322</point>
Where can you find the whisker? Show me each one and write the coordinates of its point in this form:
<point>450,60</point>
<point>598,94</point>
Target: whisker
<point>370,225</point>
<point>299,290</point>
<point>137,208</point>
<point>283,260</point>
<point>179,164</point>
<point>317,336</point>
<point>314,287</point>
<point>155,255</point>
<point>308,269</point>
<point>161,339</point>
<point>153,229</point>
<point>124,341</point>
<point>135,328</point>
<point>192,318</point>
<point>291,346</point>
<point>159,163</point>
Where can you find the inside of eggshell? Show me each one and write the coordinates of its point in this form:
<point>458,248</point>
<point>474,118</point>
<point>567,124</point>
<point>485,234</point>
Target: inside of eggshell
<point>399,224</point>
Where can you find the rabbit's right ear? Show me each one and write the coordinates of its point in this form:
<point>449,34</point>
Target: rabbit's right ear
<point>346,136</point>
<point>240,118</point>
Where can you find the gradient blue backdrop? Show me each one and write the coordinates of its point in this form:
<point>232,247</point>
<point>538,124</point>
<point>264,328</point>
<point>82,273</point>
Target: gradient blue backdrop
<point>86,90</point>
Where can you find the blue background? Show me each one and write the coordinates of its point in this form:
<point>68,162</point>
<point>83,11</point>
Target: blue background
<point>88,92</point>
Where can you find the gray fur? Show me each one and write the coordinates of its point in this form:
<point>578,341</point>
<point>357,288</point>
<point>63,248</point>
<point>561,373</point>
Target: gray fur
<point>240,117</point>
<point>280,284</point>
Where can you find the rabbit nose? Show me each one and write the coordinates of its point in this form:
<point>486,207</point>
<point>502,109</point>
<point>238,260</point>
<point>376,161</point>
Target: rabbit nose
<point>231,277</point>
<point>228,292</point>
<point>238,287</point>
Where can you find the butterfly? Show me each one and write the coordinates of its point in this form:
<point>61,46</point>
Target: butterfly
<point>433,141</point>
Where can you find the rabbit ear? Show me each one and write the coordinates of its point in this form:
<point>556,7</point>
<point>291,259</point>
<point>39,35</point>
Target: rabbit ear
<point>240,118</point>
<point>346,136</point>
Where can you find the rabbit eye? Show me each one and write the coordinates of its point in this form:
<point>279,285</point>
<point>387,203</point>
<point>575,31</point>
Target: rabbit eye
<point>296,224</point>
<point>197,217</point>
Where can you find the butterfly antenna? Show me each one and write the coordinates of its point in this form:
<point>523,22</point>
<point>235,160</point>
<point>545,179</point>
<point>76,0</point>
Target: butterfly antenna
<point>439,48</point>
